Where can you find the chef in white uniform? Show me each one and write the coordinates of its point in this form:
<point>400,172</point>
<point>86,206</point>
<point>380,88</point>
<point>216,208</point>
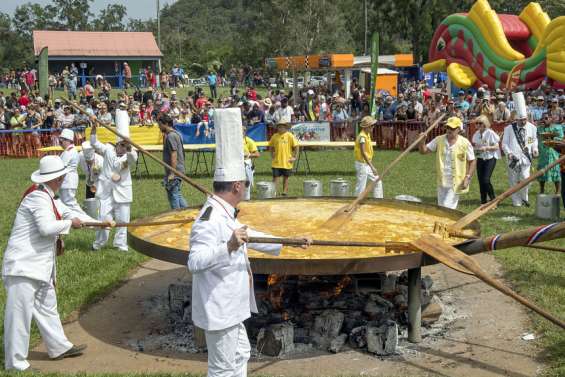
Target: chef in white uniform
<point>70,157</point>
<point>222,281</point>
<point>520,145</point>
<point>29,268</point>
<point>91,164</point>
<point>114,188</point>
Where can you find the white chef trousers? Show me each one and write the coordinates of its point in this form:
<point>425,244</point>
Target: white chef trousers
<point>119,212</point>
<point>26,299</point>
<point>364,172</point>
<point>446,197</point>
<point>514,177</point>
<point>68,197</point>
<point>249,177</point>
<point>228,352</point>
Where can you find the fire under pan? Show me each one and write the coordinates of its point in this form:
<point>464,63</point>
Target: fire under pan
<point>376,220</point>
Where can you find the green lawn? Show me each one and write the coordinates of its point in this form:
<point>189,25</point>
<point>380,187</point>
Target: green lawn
<point>85,277</point>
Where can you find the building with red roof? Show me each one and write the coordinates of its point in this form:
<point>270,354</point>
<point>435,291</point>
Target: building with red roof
<point>99,53</point>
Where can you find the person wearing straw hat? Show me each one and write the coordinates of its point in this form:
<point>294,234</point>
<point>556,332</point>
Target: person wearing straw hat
<point>114,188</point>
<point>363,151</point>
<point>29,267</point>
<point>455,163</point>
<point>70,157</point>
<point>222,280</point>
<point>520,145</point>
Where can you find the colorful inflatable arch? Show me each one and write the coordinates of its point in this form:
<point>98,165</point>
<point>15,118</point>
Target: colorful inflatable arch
<point>500,50</point>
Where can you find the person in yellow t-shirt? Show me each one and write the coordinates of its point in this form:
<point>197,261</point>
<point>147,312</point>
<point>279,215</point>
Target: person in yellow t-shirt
<point>363,150</point>
<point>455,163</point>
<point>250,152</point>
<point>284,151</point>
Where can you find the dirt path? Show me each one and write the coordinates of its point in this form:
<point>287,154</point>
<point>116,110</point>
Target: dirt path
<point>484,340</point>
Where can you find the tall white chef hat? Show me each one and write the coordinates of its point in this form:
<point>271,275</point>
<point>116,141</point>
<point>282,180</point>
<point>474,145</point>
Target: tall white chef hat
<point>520,105</point>
<point>122,123</point>
<point>229,145</point>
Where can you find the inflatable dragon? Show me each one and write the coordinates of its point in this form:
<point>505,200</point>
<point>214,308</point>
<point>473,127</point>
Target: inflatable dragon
<point>502,51</point>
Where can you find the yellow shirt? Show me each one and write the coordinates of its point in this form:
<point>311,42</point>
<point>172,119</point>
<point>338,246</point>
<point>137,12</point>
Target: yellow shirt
<point>249,146</point>
<point>282,146</point>
<point>459,154</point>
<point>367,147</point>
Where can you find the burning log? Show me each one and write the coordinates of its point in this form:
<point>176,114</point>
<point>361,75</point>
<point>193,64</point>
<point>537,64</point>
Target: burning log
<point>276,340</point>
<point>382,340</point>
<point>327,327</point>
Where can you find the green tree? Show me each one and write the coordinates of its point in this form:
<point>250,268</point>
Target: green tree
<point>110,19</point>
<point>74,14</point>
<point>29,17</point>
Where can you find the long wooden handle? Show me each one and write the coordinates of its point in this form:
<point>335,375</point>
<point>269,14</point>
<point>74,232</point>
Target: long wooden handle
<point>456,259</point>
<point>141,224</point>
<point>371,186</point>
<point>180,174</point>
<point>475,214</point>
<point>301,241</point>
<point>549,248</point>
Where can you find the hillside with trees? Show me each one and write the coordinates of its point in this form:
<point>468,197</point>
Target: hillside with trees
<point>247,31</point>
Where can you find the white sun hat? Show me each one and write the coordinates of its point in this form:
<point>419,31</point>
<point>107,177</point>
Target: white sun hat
<point>229,146</point>
<point>50,167</point>
<point>87,151</point>
<point>67,134</point>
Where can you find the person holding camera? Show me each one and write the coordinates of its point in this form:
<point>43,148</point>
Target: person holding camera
<point>520,145</point>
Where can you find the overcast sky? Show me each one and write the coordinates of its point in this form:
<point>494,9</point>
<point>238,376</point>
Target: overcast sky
<point>143,9</point>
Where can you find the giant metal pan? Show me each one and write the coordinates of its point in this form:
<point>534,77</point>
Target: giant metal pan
<point>282,265</point>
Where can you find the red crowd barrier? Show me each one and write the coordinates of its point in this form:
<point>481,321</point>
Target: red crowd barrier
<point>26,143</point>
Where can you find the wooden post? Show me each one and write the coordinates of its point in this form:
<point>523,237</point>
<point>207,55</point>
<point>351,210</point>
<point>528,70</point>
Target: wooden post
<point>199,337</point>
<point>414,305</point>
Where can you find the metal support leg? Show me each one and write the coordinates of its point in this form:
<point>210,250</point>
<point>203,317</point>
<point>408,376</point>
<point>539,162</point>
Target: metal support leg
<point>414,305</point>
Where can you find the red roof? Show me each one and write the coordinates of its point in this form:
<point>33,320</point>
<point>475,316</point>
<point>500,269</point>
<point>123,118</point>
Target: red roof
<point>96,43</point>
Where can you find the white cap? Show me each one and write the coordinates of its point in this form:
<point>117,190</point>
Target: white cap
<point>173,92</point>
<point>87,151</point>
<point>122,124</point>
<point>229,146</point>
<point>520,105</point>
<point>50,167</point>
<point>67,134</point>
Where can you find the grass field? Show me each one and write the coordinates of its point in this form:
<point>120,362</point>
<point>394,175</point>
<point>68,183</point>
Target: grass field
<point>85,277</point>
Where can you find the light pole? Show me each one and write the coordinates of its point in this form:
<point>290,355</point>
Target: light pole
<point>158,25</point>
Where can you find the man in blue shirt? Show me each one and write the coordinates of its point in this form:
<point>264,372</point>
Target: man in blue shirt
<point>212,84</point>
<point>538,109</point>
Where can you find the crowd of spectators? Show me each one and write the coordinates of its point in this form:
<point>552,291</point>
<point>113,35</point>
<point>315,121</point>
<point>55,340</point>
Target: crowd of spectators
<point>415,101</point>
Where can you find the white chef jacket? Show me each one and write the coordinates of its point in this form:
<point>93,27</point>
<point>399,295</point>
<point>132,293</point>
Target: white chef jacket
<point>510,143</point>
<point>222,285</point>
<point>93,171</point>
<point>120,191</point>
<point>71,159</point>
<point>31,247</point>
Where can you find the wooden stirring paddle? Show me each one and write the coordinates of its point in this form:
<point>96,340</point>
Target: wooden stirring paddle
<point>345,213</point>
<point>457,260</point>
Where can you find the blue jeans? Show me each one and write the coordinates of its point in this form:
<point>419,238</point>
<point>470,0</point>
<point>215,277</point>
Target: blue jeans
<point>176,200</point>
